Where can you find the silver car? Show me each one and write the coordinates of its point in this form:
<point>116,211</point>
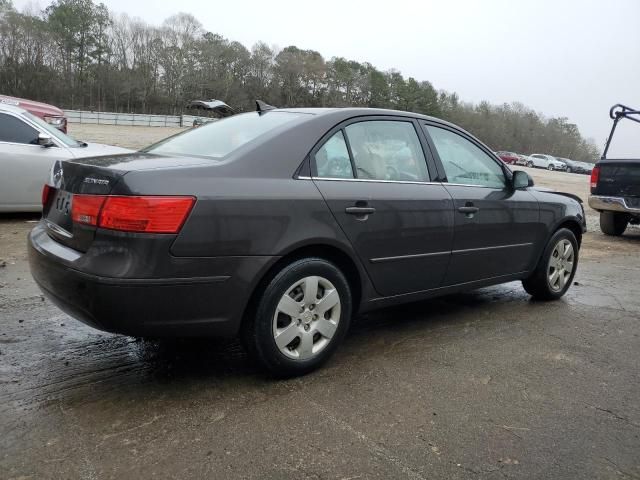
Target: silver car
<point>28,149</point>
<point>540,160</point>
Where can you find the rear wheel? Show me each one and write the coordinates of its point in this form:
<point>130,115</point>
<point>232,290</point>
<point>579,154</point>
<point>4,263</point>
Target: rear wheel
<point>302,317</point>
<point>550,167</point>
<point>530,164</point>
<point>568,169</point>
<point>613,223</point>
<point>556,268</point>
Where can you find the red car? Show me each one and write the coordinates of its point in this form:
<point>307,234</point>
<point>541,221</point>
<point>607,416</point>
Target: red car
<point>48,113</point>
<point>508,157</point>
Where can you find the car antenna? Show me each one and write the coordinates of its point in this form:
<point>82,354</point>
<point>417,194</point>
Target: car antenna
<point>262,107</point>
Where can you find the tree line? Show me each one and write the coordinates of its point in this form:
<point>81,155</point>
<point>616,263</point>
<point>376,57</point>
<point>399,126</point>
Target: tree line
<point>77,54</point>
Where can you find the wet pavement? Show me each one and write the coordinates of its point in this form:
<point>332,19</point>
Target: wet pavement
<point>484,385</point>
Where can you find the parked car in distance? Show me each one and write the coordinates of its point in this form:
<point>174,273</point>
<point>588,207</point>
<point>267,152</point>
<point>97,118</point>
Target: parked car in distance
<point>587,167</point>
<point>572,166</point>
<point>549,162</point>
<point>50,114</point>
<point>209,111</point>
<point>509,158</point>
<point>29,147</point>
<point>279,225</point>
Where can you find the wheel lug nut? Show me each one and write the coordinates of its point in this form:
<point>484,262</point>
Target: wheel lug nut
<point>306,327</point>
<point>301,309</point>
<point>315,317</point>
<point>312,306</point>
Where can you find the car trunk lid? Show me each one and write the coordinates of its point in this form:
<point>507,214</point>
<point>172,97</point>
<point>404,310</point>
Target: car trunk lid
<point>92,176</point>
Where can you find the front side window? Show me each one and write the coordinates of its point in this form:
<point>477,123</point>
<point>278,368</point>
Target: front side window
<point>332,160</point>
<point>464,162</point>
<point>14,130</point>
<point>387,150</point>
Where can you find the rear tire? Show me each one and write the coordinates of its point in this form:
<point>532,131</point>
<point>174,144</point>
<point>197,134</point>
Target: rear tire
<point>301,318</point>
<point>530,164</point>
<point>550,167</point>
<point>556,268</point>
<point>568,169</point>
<point>613,223</point>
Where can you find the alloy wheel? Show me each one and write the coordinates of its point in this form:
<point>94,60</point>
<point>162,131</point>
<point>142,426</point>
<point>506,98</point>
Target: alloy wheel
<point>306,318</point>
<point>561,264</point>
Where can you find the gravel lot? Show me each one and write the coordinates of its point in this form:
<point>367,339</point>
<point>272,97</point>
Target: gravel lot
<point>127,137</point>
<point>483,385</point>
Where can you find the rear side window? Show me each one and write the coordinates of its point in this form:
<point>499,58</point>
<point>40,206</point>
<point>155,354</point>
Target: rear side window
<point>332,160</point>
<point>464,162</point>
<point>387,150</point>
<point>220,138</point>
<point>14,130</point>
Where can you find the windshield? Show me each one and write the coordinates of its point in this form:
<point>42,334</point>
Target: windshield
<point>220,138</point>
<point>53,131</point>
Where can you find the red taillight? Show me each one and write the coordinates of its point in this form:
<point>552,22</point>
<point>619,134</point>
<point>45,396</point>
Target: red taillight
<point>132,214</point>
<point>86,208</point>
<point>145,214</point>
<point>47,190</point>
<point>595,176</point>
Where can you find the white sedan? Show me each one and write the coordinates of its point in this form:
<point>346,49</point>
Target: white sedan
<point>28,149</point>
<point>540,160</point>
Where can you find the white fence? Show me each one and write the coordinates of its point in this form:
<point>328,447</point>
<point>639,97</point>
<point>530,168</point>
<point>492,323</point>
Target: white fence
<point>130,119</point>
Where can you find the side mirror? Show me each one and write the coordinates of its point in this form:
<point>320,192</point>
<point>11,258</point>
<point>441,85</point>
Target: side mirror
<point>45,140</point>
<point>521,180</point>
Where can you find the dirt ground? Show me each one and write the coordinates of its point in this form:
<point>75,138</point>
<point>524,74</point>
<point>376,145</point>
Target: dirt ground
<point>485,385</point>
<point>127,137</point>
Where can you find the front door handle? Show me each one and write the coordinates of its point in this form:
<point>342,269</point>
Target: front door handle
<point>468,210</point>
<point>360,210</point>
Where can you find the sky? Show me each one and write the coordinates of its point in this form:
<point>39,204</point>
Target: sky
<point>569,58</point>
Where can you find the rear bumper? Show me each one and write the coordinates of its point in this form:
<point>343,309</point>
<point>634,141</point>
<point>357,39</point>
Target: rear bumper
<point>612,204</point>
<point>164,307</point>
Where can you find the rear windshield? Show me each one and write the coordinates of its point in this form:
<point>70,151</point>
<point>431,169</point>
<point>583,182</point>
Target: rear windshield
<point>220,138</point>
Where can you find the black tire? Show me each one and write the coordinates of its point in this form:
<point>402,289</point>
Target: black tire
<point>550,167</point>
<point>613,223</point>
<point>538,284</point>
<point>568,169</point>
<point>258,334</point>
<point>530,164</point>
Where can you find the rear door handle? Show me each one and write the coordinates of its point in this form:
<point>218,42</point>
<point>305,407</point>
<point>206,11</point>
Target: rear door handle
<point>360,210</point>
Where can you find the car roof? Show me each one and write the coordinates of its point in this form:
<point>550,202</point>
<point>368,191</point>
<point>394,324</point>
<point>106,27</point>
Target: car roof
<point>4,107</point>
<point>343,113</point>
<point>31,105</point>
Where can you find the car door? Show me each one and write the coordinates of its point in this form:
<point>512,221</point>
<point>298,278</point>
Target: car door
<point>374,177</point>
<point>25,165</point>
<point>496,227</point>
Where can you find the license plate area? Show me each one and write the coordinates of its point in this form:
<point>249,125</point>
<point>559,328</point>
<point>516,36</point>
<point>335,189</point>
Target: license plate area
<point>59,214</point>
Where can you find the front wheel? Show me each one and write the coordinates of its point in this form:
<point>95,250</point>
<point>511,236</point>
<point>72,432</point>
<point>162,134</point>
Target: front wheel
<point>556,268</point>
<point>530,164</point>
<point>613,223</point>
<point>568,169</point>
<point>550,167</point>
<point>302,317</point>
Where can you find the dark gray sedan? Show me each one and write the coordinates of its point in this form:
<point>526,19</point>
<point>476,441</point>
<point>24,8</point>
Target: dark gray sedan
<point>280,225</point>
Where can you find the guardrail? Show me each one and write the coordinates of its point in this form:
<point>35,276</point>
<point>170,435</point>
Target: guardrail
<point>129,119</point>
